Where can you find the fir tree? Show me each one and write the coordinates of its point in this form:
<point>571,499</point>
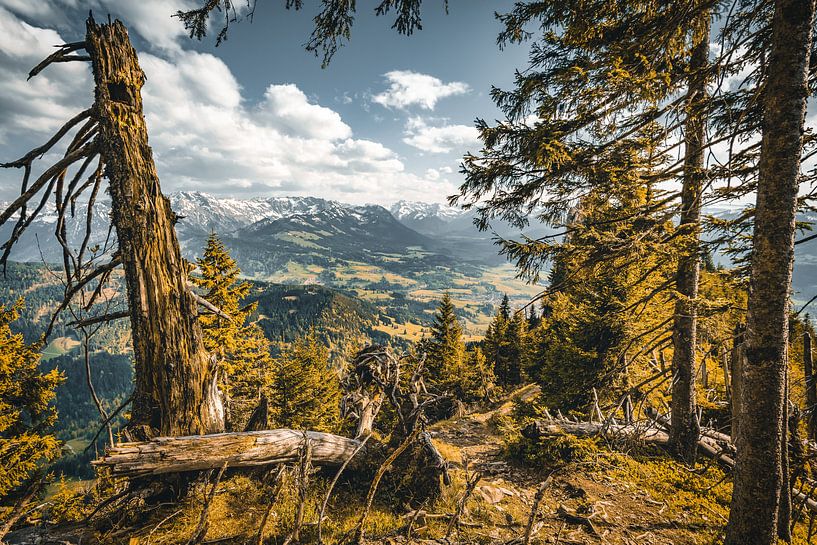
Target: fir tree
<point>589,321</point>
<point>478,377</point>
<point>26,411</point>
<point>516,349</point>
<point>505,308</point>
<point>505,345</point>
<point>305,392</point>
<point>533,318</point>
<point>444,348</point>
<point>494,345</point>
<point>240,346</point>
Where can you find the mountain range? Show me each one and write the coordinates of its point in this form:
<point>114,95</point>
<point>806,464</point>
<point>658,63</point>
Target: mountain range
<point>308,237</point>
<point>280,225</point>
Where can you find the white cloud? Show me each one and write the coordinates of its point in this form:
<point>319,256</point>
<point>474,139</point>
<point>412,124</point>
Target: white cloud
<point>152,19</point>
<point>407,88</point>
<point>206,137</point>
<point>45,102</point>
<point>205,133</point>
<point>287,106</point>
<point>440,139</point>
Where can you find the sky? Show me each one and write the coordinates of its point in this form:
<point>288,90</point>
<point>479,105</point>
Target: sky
<point>389,119</point>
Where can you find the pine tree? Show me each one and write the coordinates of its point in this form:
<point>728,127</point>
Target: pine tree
<point>505,308</point>
<point>591,302</point>
<point>505,345</point>
<point>494,343</point>
<point>444,348</point>
<point>26,411</point>
<point>478,377</point>
<point>516,349</point>
<point>592,89</point>
<point>242,350</point>
<point>305,391</point>
<point>534,319</point>
<point>761,487</point>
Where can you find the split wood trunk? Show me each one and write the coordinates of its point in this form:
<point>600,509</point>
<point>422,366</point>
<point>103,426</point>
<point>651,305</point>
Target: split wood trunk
<point>164,455</point>
<point>175,391</point>
<point>758,480</point>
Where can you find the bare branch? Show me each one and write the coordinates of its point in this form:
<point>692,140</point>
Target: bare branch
<point>73,290</point>
<point>61,55</point>
<point>29,157</point>
<point>52,172</point>
<point>100,319</point>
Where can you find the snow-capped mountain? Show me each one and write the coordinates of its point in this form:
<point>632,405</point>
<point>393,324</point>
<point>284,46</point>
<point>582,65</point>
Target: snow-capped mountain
<point>265,231</point>
<point>38,241</point>
<point>204,212</point>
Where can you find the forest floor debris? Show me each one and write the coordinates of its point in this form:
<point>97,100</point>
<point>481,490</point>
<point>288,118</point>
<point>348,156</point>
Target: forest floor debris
<point>601,497</point>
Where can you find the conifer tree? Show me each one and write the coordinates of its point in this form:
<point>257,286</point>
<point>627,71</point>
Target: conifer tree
<point>590,89</point>
<point>26,412</point>
<point>761,501</point>
<point>505,308</point>
<point>239,345</point>
<point>505,345</point>
<point>492,343</point>
<point>516,349</point>
<point>445,349</point>
<point>591,301</point>
<point>305,391</point>
<point>534,319</point>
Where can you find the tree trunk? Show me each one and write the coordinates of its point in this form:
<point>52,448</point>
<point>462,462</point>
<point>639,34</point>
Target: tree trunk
<point>736,362</point>
<point>727,380</point>
<point>784,508</point>
<point>758,474</point>
<point>164,455</point>
<point>811,386</point>
<point>685,426</point>
<point>174,392</point>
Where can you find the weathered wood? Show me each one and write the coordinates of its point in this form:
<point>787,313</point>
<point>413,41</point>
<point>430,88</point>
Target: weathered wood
<point>175,390</point>
<point>164,455</point>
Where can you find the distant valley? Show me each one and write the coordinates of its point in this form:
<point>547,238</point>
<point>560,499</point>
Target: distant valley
<point>399,259</point>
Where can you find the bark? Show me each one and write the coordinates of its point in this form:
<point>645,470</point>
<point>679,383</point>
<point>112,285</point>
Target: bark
<point>811,386</point>
<point>727,380</point>
<point>164,455</point>
<point>685,426</point>
<point>736,362</point>
<point>757,480</point>
<point>784,508</point>
<point>174,391</point>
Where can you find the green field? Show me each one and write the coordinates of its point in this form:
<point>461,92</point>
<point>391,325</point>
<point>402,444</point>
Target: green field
<point>58,347</point>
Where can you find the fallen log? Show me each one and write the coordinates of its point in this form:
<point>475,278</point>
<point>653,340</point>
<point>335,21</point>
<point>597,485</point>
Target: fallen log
<point>164,455</point>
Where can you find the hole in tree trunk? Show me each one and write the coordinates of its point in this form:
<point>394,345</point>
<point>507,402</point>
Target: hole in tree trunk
<point>119,92</point>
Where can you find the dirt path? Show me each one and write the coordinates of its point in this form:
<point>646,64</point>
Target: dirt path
<point>624,502</point>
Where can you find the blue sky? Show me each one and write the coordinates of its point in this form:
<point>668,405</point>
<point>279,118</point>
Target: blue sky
<point>388,119</point>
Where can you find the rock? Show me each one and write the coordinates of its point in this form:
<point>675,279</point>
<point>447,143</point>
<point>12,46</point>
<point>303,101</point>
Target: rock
<point>491,494</point>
